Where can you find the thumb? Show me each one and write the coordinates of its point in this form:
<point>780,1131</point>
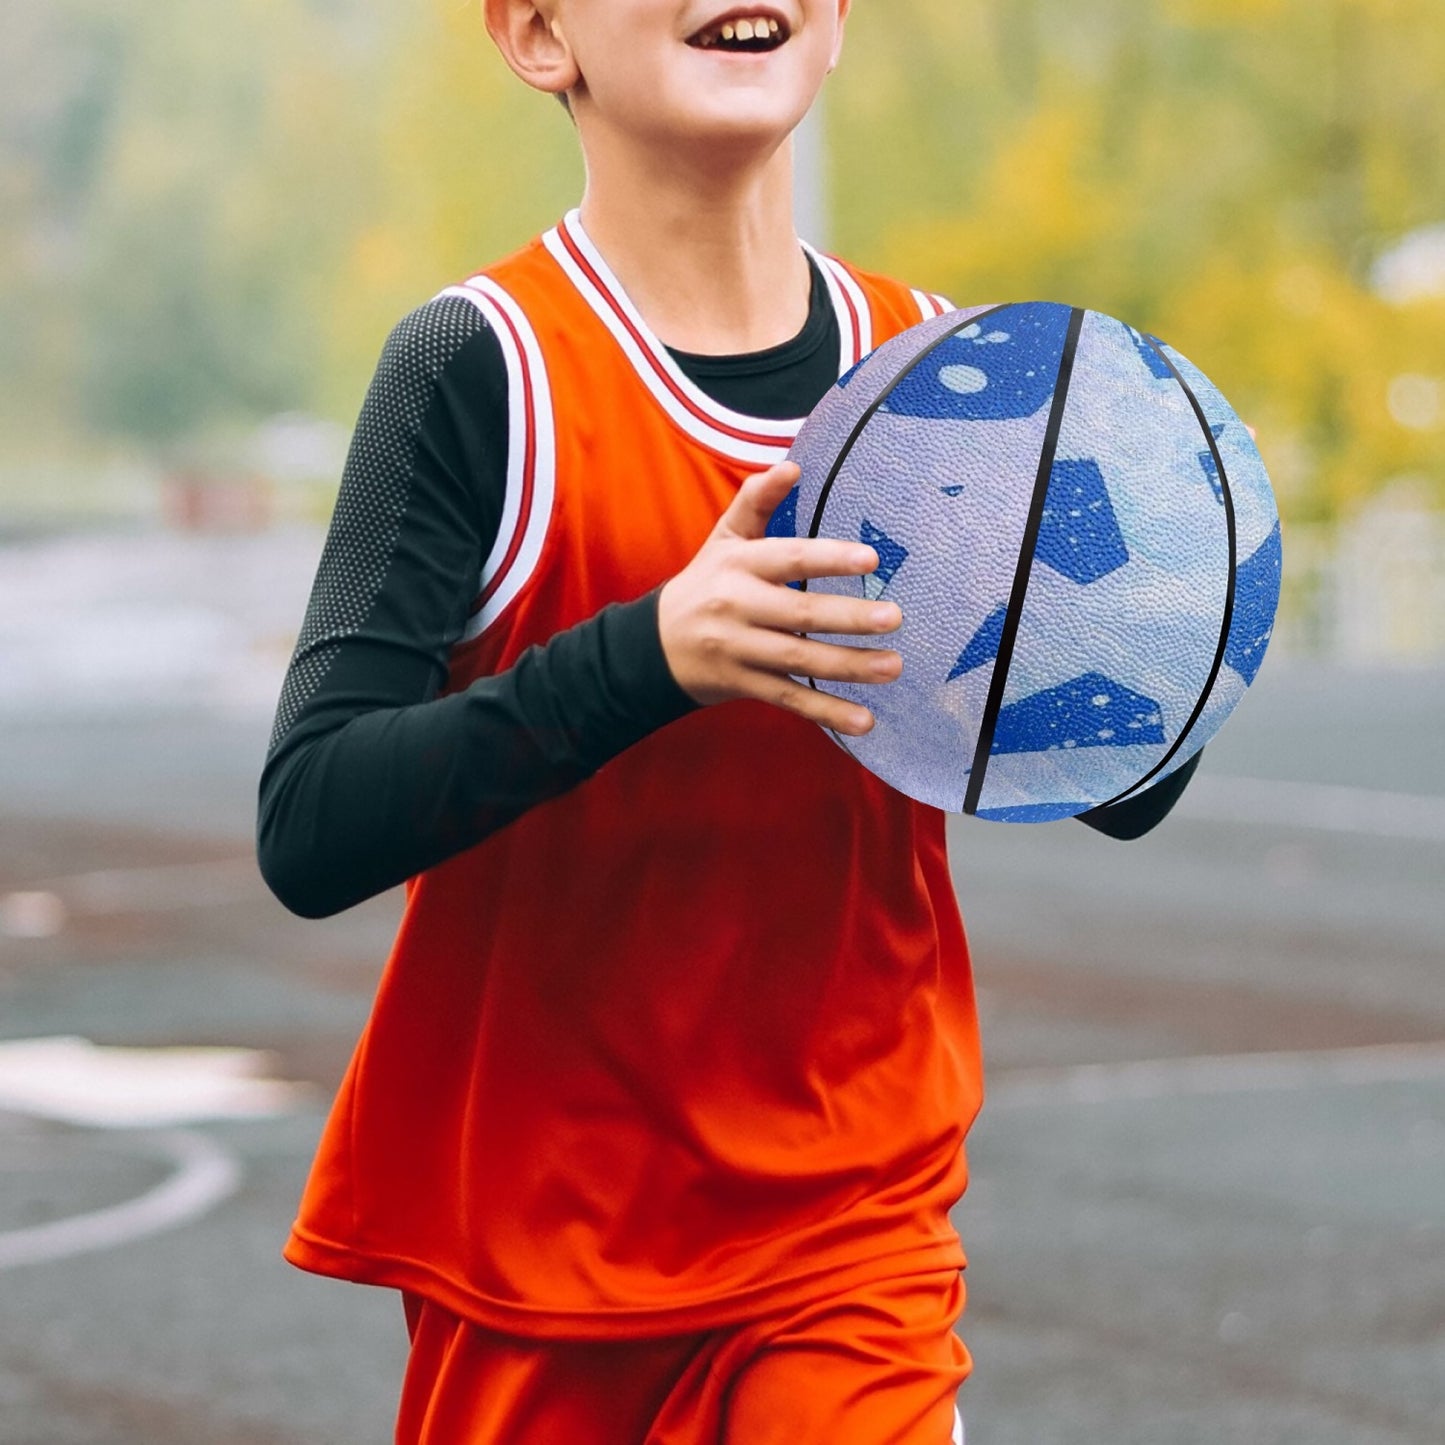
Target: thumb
<point>749,512</point>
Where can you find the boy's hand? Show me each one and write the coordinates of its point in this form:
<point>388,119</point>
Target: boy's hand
<point>729,621</point>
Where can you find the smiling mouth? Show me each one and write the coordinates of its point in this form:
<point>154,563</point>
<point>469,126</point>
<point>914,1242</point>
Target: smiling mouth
<point>751,34</point>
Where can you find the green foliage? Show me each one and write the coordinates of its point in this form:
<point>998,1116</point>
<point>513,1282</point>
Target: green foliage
<point>211,213</point>
<point>1220,172</point>
<point>179,221</point>
<point>469,164</point>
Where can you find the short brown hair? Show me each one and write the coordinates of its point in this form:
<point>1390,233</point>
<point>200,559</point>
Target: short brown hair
<point>566,104</point>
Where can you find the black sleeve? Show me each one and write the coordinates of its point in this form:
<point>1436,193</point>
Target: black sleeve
<point>1137,815</point>
<point>370,777</point>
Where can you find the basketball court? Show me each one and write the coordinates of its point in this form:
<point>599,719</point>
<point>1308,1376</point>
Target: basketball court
<point>1209,1181</point>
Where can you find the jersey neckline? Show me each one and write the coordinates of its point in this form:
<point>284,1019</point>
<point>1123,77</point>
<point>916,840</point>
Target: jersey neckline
<point>744,438</point>
<point>796,349</point>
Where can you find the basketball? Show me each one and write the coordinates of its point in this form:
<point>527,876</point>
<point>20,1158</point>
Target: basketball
<point>1083,540</point>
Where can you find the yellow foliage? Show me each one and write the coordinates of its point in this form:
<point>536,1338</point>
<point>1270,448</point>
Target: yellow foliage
<point>1220,172</point>
<point>1233,13</point>
<point>1309,355</point>
<point>1040,214</point>
<point>472,164</point>
<point>279,182</point>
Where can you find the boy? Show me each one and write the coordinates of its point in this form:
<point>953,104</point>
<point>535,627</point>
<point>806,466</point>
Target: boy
<point>659,1114</point>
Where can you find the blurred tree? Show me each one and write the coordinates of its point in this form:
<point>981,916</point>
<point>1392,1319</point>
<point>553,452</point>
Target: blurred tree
<point>469,163</point>
<point>58,94</point>
<point>210,214</point>
<point>1222,173</point>
<point>220,219</point>
<point>178,218</point>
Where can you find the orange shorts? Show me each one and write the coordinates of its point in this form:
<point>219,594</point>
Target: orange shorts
<point>879,1366</point>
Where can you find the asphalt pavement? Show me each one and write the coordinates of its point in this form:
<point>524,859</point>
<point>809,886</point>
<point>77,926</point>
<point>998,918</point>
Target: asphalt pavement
<point>1208,1194</point>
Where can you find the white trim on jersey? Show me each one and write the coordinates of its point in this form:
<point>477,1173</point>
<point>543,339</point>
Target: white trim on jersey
<point>957,1437</point>
<point>850,303</point>
<point>744,438</point>
<point>930,305</point>
<point>531,454</point>
<point>758,440</point>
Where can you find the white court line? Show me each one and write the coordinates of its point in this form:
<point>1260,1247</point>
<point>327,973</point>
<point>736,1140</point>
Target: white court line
<point>1331,807</point>
<point>1210,1074</point>
<point>205,1175</point>
<point>107,1086</point>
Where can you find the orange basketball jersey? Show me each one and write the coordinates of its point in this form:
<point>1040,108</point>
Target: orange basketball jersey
<point>697,1038</point>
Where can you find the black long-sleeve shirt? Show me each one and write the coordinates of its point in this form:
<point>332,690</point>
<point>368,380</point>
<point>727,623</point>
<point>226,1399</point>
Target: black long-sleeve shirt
<point>370,776</point>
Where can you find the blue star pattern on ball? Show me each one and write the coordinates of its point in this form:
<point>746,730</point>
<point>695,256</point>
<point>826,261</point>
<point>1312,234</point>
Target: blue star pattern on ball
<point>1034,812</point>
<point>1210,469</point>
<point>1258,555</point>
<point>1003,366</point>
<point>854,369</point>
<point>1092,711</point>
<point>1079,534</point>
<point>1136,598</point>
<point>784,523</point>
<point>891,556</point>
<point>1157,365</point>
<point>1256,595</point>
<point>930,452</point>
<point>983,645</point>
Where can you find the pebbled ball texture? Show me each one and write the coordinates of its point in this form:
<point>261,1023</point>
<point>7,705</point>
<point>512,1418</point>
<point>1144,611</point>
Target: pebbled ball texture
<point>1119,607</point>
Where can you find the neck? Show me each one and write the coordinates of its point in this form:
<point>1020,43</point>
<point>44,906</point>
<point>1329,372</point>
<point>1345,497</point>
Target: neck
<point>707,253</point>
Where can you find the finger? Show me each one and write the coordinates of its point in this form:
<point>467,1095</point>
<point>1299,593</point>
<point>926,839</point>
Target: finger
<point>807,702</point>
<point>787,610</point>
<point>782,652</point>
<point>749,512</point>
<point>792,559</point>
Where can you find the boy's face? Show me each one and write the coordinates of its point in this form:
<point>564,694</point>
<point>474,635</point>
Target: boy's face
<point>667,71</point>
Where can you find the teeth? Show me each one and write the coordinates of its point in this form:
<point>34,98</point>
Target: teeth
<point>760,27</point>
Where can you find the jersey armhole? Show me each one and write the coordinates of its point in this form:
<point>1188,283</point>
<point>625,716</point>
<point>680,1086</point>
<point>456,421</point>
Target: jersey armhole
<point>531,456</point>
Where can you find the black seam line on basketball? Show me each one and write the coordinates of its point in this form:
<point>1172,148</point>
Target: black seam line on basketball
<point>1009,634</point>
<point>1228,615</point>
<point>822,502</point>
<point>867,416</point>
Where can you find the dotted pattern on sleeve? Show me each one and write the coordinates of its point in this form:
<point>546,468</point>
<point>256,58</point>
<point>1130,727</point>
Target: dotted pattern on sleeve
<point>375,487</point>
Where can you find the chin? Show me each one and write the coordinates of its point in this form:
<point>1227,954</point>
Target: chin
<point>736,120</point>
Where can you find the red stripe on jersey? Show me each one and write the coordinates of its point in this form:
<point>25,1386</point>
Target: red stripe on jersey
<point>529,467</point>
<point>615,1037</point>
<point>857,352</point>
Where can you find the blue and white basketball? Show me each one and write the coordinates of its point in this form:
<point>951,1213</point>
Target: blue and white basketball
<point>1082,538</point>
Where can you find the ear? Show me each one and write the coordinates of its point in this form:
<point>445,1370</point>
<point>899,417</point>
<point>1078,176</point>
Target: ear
<point>532,43</point>
<point>843,7</point>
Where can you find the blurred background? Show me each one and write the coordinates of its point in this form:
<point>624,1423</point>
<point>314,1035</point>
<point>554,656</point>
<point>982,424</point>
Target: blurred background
<point>211,220</point>
<point>1209,1197</point>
